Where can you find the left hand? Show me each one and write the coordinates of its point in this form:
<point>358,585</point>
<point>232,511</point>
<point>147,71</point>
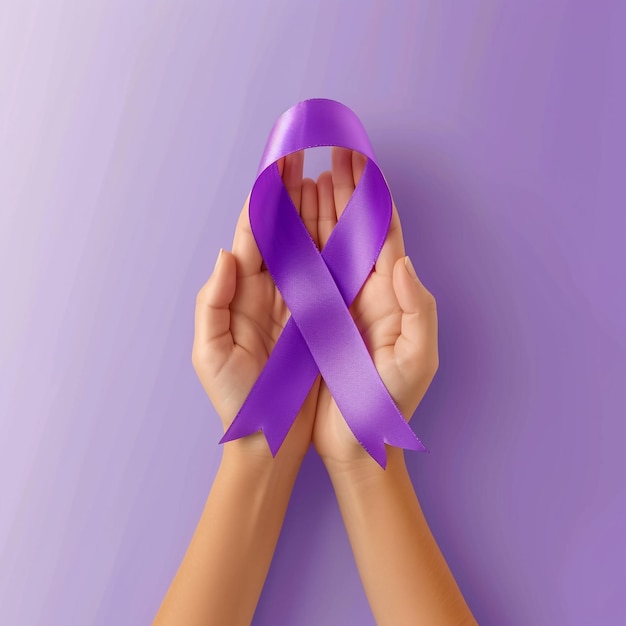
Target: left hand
<point>395,314</point>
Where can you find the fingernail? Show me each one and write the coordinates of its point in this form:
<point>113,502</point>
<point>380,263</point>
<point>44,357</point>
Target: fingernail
<point>219,257</point>
<point>409,267</point>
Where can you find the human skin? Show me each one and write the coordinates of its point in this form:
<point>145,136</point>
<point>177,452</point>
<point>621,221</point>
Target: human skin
<point>239,316</point>
<point>405,576</point>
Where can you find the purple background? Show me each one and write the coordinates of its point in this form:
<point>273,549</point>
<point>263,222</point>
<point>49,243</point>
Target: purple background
<point>130,134</point>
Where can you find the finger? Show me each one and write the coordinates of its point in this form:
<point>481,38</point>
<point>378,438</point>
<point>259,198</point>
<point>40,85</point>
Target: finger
<point>292,176</point>
<point>281,165</point>
<point>343,179</point>
<point>393,248</point>
<point>246,251</point>
<point>358,165</point>
<point>326,214</point>
<point>212,316</point>
<point>417,342</point>
<point>309,208</point>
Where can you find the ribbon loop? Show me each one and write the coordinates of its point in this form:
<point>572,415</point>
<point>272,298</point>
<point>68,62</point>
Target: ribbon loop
<point>320,336</point>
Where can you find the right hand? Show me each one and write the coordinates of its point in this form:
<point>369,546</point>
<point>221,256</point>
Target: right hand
<point>395,313</point>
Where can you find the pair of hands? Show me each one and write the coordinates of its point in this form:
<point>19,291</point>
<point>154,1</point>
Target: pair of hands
<point>240,315</point>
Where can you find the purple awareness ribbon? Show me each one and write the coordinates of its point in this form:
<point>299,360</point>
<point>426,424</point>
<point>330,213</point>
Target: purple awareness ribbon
<point>320,336</point>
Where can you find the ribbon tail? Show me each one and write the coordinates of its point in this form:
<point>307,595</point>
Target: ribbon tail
<point>395,432</point>
<point>405,438</point>
<point>274,432</point>
<point>278,393</point>
<point>241,428</point>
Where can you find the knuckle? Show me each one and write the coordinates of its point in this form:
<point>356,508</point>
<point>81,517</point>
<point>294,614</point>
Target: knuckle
<point>200,296</point>
<point>430,304</point>
<point>434,364</point>
<point>197,357</point>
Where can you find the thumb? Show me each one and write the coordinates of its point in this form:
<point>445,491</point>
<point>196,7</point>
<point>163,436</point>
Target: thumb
<point>212,318</point>
<point>418,331</point>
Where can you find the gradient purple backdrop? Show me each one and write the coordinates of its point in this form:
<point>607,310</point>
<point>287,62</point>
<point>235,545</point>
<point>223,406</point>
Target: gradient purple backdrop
<point>130,133</point>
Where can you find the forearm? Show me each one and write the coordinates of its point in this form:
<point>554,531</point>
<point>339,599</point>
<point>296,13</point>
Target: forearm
<point>405,576</point>
<point>220,579</point>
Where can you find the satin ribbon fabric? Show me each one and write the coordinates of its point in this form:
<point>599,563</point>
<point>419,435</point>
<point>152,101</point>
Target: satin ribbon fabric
<point>320,335</point>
